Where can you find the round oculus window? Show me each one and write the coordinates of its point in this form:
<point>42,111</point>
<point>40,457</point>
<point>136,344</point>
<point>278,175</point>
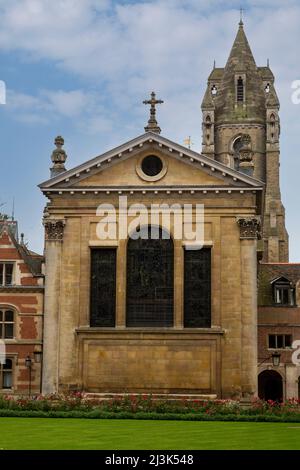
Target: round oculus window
<point>152,165</point>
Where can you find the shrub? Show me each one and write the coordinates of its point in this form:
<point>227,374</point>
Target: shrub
<point>135,405</point>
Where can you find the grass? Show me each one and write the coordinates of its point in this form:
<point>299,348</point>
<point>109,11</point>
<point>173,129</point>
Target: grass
<point>59,434</point>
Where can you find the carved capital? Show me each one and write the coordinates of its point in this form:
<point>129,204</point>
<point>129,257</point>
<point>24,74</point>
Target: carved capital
<point>250,227</point>
<point>54,229</point>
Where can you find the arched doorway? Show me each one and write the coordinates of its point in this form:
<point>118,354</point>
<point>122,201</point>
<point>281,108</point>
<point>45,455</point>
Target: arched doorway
<point>150,279</point>
<point>270,386</point>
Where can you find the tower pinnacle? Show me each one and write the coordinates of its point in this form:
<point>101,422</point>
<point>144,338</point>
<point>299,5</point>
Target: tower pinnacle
<point>241,23</point>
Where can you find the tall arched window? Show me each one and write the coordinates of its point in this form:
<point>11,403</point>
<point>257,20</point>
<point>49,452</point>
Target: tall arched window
<point>240,90</point>
<point>150,279</point>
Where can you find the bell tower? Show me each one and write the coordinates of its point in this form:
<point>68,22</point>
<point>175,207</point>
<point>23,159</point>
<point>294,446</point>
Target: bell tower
<point>241,129</point>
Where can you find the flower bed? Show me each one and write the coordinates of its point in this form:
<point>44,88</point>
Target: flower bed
<point>148,407</point>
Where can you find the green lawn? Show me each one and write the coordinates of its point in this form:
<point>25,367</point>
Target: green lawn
<point>52,433</point>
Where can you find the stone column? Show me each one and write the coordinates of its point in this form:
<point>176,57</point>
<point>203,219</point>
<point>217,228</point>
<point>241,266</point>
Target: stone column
<point>54,230</point>
<point>249,231</point>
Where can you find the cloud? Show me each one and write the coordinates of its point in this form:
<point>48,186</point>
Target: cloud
<point>50,105</point>
<point>120,50</point>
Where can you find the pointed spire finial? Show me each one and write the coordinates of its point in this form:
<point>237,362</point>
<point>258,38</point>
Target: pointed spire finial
<point>268,62</point>
<point>241,23</point>
<point>214,63</point>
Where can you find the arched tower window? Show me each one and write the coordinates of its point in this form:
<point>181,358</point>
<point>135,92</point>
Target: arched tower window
<point>240,90</point>
<point>208,127</point>
<point>272,120</point>
<point>237,146</point>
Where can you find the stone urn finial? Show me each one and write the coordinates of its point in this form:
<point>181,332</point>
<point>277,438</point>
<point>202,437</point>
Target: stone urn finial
<point>58,157</point>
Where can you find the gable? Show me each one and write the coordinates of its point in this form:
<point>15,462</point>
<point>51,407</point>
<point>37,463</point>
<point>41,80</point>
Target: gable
<point>118,167</point>
<point>12,250</point>
<point>129,172</point>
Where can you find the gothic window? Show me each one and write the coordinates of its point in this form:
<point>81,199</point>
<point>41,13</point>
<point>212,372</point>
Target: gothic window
<point>6,324</point>
<point>6,374</point>
<point>240,90</point>
<point>150,279</point>
<point>272,120</point>
<point>103,287</point>
<point>280,341</point>
<point>237,146</point>
<point>283,292</point>
<point>197,288</point>
<point>267,88</point>
<point>214,90</point>
<point>6,274</point>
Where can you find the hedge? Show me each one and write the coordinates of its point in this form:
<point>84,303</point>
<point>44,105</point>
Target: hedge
<point>98,414</point>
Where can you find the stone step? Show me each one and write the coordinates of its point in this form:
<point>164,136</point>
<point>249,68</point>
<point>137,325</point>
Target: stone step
<point>154,396</point>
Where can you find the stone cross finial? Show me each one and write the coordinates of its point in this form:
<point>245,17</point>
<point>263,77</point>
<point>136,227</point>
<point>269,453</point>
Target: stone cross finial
<point>152,123</point>
<point>58,157</point>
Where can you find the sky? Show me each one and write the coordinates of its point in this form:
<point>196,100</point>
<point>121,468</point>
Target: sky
<point>81,69</point>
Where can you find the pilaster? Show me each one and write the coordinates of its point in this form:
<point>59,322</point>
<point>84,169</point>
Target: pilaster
<point>54,231</point>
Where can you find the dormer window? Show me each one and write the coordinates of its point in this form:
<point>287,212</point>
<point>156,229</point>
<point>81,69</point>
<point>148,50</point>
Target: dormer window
<point>283,291</point>
<point>240,90</point>
<point>6,274</point>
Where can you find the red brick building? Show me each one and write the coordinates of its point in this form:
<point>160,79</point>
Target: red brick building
<point>21,312</point>
<point>278,328</point>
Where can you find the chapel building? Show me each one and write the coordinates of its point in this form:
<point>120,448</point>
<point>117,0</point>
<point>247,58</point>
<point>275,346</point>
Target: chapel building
<point>139,313</point>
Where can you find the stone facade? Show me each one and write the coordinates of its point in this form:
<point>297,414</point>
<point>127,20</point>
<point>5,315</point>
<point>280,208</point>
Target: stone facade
<point>23,295</point>
<point>236,178</point>
<point>209,361</point>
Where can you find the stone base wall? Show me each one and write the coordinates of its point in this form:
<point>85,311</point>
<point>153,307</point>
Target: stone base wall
<point>150,362</point>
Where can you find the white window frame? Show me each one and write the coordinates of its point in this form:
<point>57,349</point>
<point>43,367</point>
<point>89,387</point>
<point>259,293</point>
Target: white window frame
<point>3,323</point>
<point>3,371</point>
<point>4,263</point>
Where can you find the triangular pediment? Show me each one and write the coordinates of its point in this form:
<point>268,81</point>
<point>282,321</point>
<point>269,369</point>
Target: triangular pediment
<point>118,168</point>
